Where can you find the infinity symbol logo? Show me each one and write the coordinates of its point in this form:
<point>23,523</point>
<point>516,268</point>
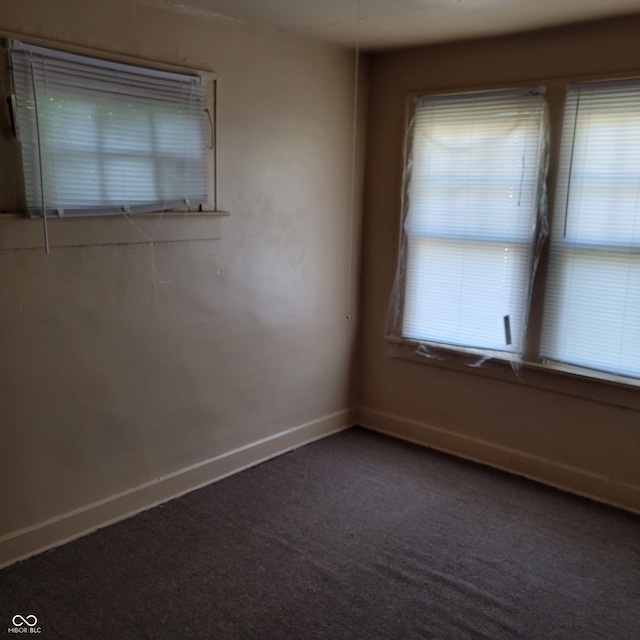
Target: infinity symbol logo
<point>30,621</point>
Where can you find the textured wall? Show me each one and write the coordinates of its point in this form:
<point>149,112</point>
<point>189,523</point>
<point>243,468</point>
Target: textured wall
<point>570,432</point>
<point>107,381</point>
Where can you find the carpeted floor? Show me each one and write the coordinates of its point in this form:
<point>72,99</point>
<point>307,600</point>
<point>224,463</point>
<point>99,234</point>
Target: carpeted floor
<point>357,536</point>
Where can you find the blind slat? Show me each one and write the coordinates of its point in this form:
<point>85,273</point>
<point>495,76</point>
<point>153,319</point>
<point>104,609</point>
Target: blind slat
<point>592,307</point>
<point>476,171</point>
<point>109,136</point>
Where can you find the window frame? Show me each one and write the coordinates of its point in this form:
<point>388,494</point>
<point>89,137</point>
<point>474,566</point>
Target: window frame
<point>404,346</point>
<point>533,369</point>
<point>196,222</point>
<point>565,249</point>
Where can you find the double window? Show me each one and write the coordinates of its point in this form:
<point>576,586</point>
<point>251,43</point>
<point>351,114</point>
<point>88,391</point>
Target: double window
<point>476,220</point>
<point>101,138</point>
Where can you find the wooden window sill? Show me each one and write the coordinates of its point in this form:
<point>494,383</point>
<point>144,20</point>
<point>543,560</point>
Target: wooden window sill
<point>20,232</point>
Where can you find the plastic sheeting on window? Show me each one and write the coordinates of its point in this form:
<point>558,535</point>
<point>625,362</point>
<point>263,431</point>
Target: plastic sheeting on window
<point>473,224</point>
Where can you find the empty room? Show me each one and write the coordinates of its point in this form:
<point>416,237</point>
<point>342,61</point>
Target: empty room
<point>320,320</point>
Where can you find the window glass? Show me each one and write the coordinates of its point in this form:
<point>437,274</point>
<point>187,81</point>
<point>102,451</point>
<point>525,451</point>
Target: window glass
<point>592,306</point>
<point>476,172</point>
<point>100,137</point>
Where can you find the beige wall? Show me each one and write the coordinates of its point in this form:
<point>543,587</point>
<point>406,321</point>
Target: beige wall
<point>108,383</point>
<point>132,373</point>
<point>575,434</point>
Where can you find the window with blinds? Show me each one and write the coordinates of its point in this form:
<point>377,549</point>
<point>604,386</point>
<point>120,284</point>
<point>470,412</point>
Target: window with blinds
<point>476,165</point>
<point>592,306</point>
<point>100,138</point>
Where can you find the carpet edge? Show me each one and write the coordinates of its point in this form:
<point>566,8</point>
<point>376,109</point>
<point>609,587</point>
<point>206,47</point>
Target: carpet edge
<point>69,526</point>
<point>560,476</point>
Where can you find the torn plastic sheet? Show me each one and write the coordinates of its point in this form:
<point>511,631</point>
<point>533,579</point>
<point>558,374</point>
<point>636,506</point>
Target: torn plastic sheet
<point>431,231</point>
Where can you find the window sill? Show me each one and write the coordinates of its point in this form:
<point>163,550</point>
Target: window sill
<point>563,379</point>
<point>20,232</point>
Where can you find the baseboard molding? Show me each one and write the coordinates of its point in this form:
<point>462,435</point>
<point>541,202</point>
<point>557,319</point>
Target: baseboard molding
<point>69,526</point>
<point>549,472</point>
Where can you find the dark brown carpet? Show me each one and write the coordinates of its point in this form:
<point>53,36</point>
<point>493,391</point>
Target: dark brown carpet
<point>357,536</point>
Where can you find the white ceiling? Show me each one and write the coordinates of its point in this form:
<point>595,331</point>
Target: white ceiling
<point>379,24</point>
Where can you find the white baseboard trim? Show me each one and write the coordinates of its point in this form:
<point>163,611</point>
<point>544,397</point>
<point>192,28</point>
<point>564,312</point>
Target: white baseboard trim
<point>79,522</point>
<point>549,472</point>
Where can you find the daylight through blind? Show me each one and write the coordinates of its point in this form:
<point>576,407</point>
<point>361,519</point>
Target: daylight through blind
<point>592,308</point>
<point>476,172</point>
<point>100,138</point>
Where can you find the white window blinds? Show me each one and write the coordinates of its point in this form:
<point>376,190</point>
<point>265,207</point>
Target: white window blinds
<point>100,138</point>
<point>592,308</point>
<point>476,168</point>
